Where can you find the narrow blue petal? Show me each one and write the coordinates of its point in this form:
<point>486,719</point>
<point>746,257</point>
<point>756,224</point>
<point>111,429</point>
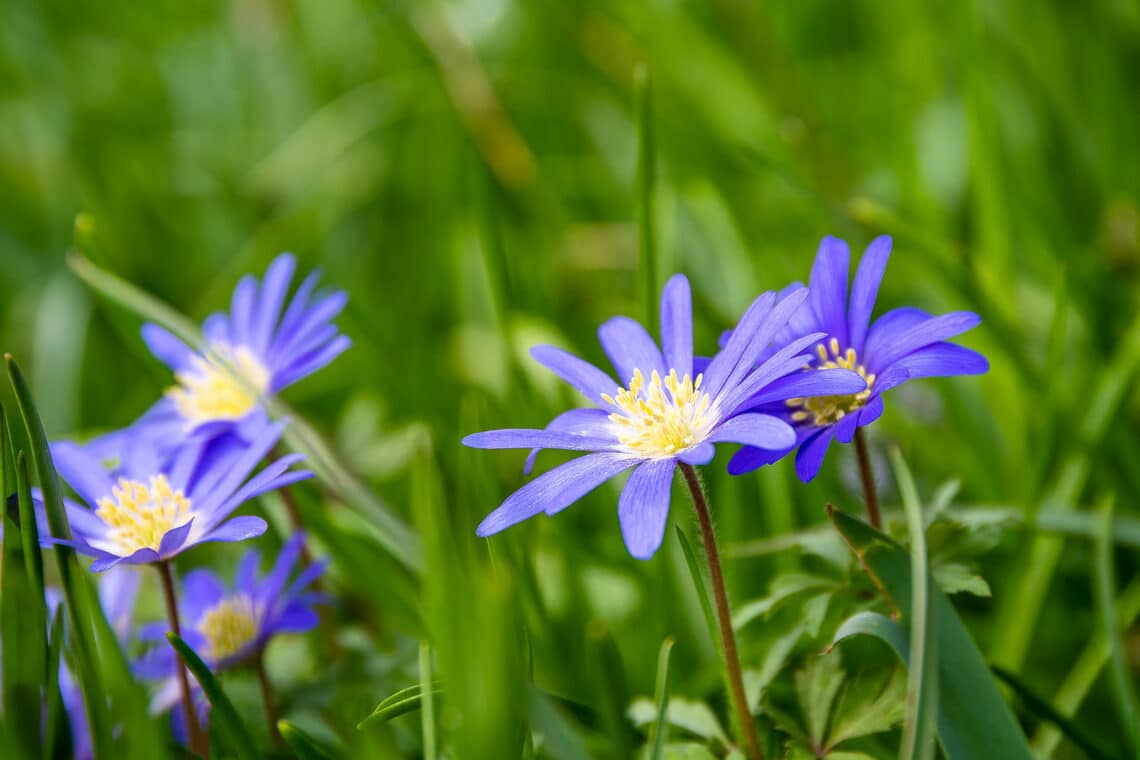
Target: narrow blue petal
<point>750,458</point>
<point>241,309</point>
<point>274,583</point>
<point>828,285</point>
<point>233,471</point>
<point>555,490</point>
<point>174,540</point>
<point>309,329</point>
<point>831,382</point>
<point>630,347</point>
<point>82,471</point>
<point>297,620</point>
<point>588,422</point>
<point>269,302</point>
<point>216,329</point>
<point>845,428</point>
<point>168,349</point>
<point>784,361</point>
<point>295,311</point>
<point>755,336</point>
<point>729,357</point>
<point>644,507</point>
<point>521,438</point>
<point>677,325</point>
<point>587,378</point>
<point>201,590</point>
<point>921,335</point>
<point>865,289</point>
<point>700,454</point>
<point>809,458</point>
<point>238,529</point>
<point>310,363</point>
<point>943,360</point>
<point>886,328</point>
<point>892,378</point>
<point>245,578</point>
<point>760,430</point>
<point>872,411</point>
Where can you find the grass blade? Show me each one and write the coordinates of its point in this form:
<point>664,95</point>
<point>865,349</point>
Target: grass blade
<point>701,584</point>
<point>648,264</point>
<point>1104,591</point>
<point>1040,706</point>
<point>427,709</point>
<point>400,703</point>
<point>922,686</point>
<point>226,717</point>
<point>659,732</point>
<point>55,725</point>
<point>304,746</point>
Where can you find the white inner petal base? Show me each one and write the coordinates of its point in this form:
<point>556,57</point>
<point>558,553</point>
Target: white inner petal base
<point>664,416</point>
<point>209,389</point>
<point>229,627</point>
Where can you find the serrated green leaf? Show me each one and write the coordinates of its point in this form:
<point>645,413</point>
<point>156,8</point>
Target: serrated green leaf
<point>958,577</point>
<point>869,704</point>
<point>223,714</point>
<point>817,685</point>
<point>783,588</point>
<point>687,714</point>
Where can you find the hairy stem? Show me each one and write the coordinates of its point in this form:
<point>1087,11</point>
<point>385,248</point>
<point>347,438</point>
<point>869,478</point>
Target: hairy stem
<point>870,495</point>
<point>198,743</point>
<point>724,616</point>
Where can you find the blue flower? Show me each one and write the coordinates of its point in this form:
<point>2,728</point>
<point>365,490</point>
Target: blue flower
<point>666,412</point>
<point>231,626</point>
<point>904,344</point>
<point>269,345</point>
<point>148,508</point>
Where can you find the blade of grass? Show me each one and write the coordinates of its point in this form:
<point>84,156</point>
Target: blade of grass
<point>400,703</point>
<point>1039,706</point>
<point>659,732</point>
<point>223,714</point>
<point>700,583</point>
<point>922,685</point>
<point>304,746</point>
<point>55,725</point>
<point>427,709</point>
<point>646,179</point>
<point>1104,592</point>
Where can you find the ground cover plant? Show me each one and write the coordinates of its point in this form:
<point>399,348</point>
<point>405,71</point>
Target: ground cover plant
<point>804,340</point>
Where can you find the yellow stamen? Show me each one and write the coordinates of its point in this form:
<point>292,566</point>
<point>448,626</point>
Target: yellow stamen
<point>140,515</point>
<point>827,410</point>
<point>229,627</point>
<point>663,417</point>
<point>209,390</point>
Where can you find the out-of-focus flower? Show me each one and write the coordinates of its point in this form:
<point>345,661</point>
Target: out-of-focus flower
<point>903,344</point>
<point>146,509</point>
<point>665,414</point>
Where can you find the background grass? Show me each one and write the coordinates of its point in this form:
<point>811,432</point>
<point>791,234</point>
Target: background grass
<point>468,172</point>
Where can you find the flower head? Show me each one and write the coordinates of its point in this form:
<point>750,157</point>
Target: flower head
<point>903,344</point>
<point>261,346</point>
<point>669,407</point>
<point>148,508</point>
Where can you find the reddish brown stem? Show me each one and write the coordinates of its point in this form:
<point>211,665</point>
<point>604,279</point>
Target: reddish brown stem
<point>198,742</point>
<point>267,698</point>
<point>867,475</point>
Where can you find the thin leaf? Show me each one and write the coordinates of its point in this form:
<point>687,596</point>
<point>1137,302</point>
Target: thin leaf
<point>562,741</point>
<point>973,718</point>
<point>688,714</point>
<point>1104,591</point>
<point>400,703</point>
<point>701,584</point>
<point>648,265</point>
<point>223,715</point>
<point>1041,708</point>
<point>55,726</point>
<point>922,687</point>
<point>304,746</point>
<point>660,729</point>
<point>427,714</point>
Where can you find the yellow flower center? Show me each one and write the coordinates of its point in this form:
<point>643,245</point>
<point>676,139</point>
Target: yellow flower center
<point>827,410</point>
<point>663,417</point>
<point>224,385</point>
<point>140,515</point>
<point>229,627</point>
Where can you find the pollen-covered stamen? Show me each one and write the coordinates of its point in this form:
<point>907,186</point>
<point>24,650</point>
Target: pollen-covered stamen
<point>229,627</point>
<point>827,410</point>
<point>663,417</point>
<point>210,390</point>
<point>139,515</point>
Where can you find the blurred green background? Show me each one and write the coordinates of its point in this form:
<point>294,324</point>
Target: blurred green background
<point>468,172</point>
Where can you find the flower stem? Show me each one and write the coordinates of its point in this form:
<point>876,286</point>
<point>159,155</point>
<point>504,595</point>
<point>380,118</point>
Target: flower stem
<point>267,698</point>
<point>724,617</point>
<point>197,739</point>
<point>867,475</point>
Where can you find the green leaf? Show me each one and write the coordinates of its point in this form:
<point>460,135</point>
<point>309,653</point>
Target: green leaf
<point>400,703</point>
<point>687,714</point>
<point>870,703</point>
<point>56,735</point>
<point>816,688</point>
<point>701,584</point>
<point>1104,591</point>
<point>223,715</point>
<point>687,751</point>
<point>1040,706</point>
<point>660,728</point>
<point>922,687</point>
<point>958,577</point>
<point>973,718</point>
<point>427,702</point>
<point>782,589</point>
<point>562,742</point>
<point>304,746</point>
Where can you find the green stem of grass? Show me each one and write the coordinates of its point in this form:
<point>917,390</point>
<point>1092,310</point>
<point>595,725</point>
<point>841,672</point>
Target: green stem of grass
<point>724,615</point>
<point>867,476</point>
<point>267,699</point>
<point>197,739</point>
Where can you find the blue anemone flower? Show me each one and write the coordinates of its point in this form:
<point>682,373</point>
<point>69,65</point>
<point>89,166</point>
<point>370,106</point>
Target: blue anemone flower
<point>663,412</point>
<point>229,627</point>
<point>267,344</point>
<point>903,344</point>
<point>148,509</point>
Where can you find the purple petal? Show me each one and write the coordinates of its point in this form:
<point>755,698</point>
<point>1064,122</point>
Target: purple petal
<point>943,360</point>
<point>828,285</point>
<point>630,347</point>
<point>644,507</point>
<point>750,458</point>
<point>241,309</point>
<point>845,428</point>
<point>872,411</point>
<point>522,438</point>
<point>238,529</point>
<point>297,620</point>
<point>145,556</point>
<point>216,329</point>
<point>201,590</point>
<point>892,378</point>
<point>174,540</point>
<point>761,430</point>
<point>810,456</point>
<point>555,490</point>
<point>82,471</point>
<point>310,363</point>
<point>275,582</point>
<point>168,349</point>
<point>921,335</point>
<point>785,361</point>
<point>245,578</point>
<point>302,336</point>
<point>865,289</point>
<point>269,302</point>
<point>589,422</point>
<point>700,454</point>
<point>294,313</point>
<point>832,382</point>
<point>677,325</point>
<point>587,378</point>
<point>213,488</point>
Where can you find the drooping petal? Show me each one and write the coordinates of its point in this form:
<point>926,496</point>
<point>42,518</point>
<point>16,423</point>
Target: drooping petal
<point>809,458</point>
<point>921,335</point>
<point>587,378</point>
<point>644,507</point>
<point>174,540</point>
<point>760,430</point>
<point>943,360</point>
<point>872,411</point>
<point>630,347</point>
<point>677,325</point>
<point>750,458</point>
<point>865,289</point>
<point>700,454</point>
<point>555,490</point>
<point>522,438</point>
<point>168,349</point>
<point>845,428</point>
<point>828,286</point>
